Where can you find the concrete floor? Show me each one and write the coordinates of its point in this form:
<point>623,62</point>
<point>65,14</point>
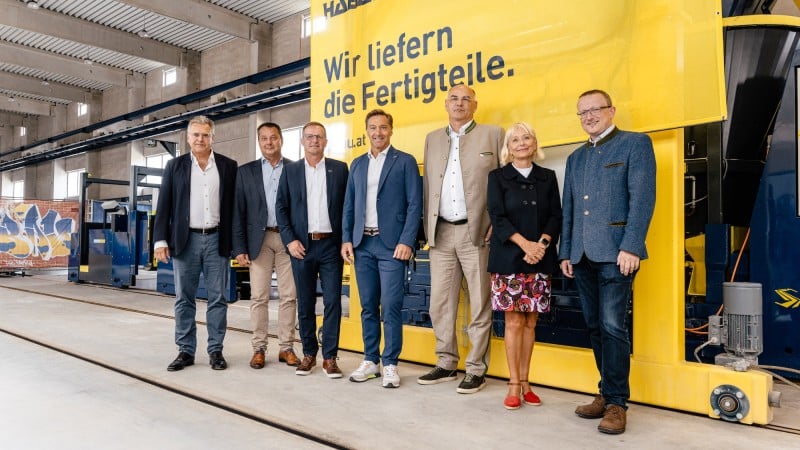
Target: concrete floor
<point>111,390</point>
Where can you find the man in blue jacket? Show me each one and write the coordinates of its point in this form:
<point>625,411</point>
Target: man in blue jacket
<point>608,201</point>
<point>382,211</point>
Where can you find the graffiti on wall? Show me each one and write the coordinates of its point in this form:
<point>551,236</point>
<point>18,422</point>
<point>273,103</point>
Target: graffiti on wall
<point>28,236</point>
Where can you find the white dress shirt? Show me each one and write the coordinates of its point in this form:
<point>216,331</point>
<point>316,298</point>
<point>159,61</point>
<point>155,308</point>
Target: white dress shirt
<point>317,198</point>
<point>453,205</point>
<point>373,177</point>
<point>203,197</point>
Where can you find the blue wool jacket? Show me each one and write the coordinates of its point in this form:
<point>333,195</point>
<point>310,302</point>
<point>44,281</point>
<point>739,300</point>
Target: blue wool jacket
<point>609,198</point>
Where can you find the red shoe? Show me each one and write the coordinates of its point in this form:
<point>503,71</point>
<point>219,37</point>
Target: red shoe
<point>512,402</point>
<point>532,399</point>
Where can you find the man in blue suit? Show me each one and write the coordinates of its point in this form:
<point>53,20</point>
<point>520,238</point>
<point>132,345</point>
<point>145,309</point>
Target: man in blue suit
<point>609,198</point>
<point>309,213</point>
<point>257,245</point>
<point>382,212</point>
<point>193,226</point>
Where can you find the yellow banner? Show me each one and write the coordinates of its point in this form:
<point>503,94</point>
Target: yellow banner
<point>528,60</point>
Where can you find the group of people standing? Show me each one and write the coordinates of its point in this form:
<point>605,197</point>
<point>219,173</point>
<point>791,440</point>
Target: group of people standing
<point>491,216</point>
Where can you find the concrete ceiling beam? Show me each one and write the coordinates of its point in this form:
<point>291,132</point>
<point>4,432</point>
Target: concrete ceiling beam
<point>50,23</point>
<point>202,13</point>
<point>25,106</point>
<point>34,86</point>
<point>50,62</point>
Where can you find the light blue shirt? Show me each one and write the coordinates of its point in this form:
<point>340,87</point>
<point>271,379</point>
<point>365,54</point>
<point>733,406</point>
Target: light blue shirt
<point>271,175</point>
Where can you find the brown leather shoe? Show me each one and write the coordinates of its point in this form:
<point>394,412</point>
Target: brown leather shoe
<point>331,369</point>
<point>613,421</point>
<point>306,365</point>
<point>257,361</point>
<point>288,357</point>
<point>594,410</point>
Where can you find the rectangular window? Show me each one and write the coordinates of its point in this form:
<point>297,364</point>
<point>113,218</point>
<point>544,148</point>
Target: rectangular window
<point>74,183</point>
<point>83,108</point>
<point>305,30</point>
<point>19,189</point>
<point>291,143</point>
<point>159,162</point>
<point>170,76</point>
<point>23,131</point>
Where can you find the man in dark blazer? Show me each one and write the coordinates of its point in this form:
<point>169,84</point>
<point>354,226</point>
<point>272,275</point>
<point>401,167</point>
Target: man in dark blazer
<point>309,213</point>
<point>193,226</point>
<point>257,245</point>
<point>609,198</point>
<point>382,211</point>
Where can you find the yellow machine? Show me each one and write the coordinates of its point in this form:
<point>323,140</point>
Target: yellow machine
<point>662,62</point>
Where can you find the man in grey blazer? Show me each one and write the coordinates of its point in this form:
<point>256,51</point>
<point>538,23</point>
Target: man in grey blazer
<point>458,159</point>
<point>257,245</point>
<point>382,209</point>
<point>609,198</point>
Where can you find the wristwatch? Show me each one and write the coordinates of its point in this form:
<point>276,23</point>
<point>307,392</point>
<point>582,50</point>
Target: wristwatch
<point>545,241</point>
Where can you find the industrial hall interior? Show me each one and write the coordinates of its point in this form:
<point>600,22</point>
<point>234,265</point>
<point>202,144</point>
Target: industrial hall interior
<point>366,224</point>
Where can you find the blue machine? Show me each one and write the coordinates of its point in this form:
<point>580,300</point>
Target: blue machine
<point>743,174</point>
<point>112,242</point>
<point>775,236</point>
<point>165,282</point>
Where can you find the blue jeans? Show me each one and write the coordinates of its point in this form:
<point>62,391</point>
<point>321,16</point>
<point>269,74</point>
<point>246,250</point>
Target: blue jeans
<point>380,280</point>
<point>323,259</point>
<point>200,255</point>
<point>605,294</point>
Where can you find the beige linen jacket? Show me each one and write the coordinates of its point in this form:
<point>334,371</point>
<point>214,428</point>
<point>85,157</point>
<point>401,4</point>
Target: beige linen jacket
<point>479,152</point>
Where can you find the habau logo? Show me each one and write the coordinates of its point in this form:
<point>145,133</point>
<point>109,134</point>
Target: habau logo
<point>790,301</point>
<point>334,7</point>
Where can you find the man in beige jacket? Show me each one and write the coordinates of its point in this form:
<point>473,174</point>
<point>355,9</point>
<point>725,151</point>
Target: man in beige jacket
<point>458,159</point>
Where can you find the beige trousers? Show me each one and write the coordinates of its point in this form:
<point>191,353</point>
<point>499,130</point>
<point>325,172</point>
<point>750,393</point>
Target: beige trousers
<point>273,256</point>
<point>455,257</point>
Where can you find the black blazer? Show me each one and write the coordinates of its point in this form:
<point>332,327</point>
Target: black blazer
<point>250,209</point>
<point>530,206</point>
<point>172,216</point>
<point>291,205</point>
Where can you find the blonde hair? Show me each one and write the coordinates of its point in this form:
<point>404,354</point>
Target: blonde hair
<point>506,156</point>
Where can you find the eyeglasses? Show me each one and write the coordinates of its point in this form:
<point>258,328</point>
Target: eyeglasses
<point>313,137</point>
<point>592,111</point>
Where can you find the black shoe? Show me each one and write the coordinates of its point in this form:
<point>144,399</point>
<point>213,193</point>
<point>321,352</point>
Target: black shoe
<point>183,360</point>
<point>217,361</point>
<point>437,375</point>
<point>471,384</point>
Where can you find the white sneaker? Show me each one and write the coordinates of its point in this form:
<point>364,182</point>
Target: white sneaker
<point>367,370</point>
<point>391,379</point>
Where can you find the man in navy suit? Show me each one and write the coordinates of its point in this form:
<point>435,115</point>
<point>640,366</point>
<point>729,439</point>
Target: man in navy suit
<point>608,201</point>
<point>193,226</point>
<point>257,246</point>
<point>309,213</point>
<point>382,212</point>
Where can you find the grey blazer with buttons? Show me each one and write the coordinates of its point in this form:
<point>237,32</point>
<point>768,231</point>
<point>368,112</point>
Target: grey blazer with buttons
<point>609,198</point>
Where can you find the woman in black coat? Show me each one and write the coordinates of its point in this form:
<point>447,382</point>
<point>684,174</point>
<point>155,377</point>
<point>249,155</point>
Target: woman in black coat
<point>525,209</point>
